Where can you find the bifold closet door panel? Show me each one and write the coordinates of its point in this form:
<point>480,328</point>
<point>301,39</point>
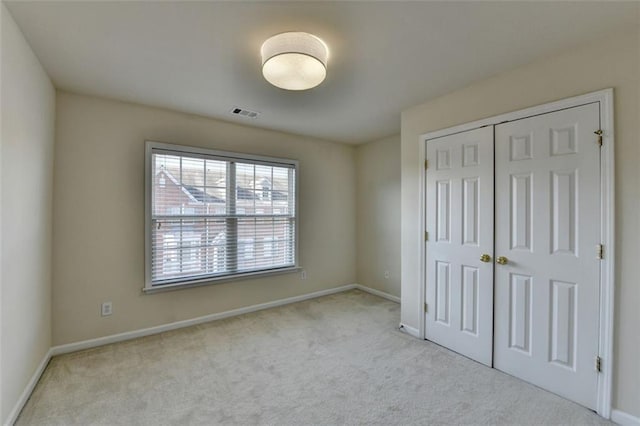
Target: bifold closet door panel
<point>547,231</point>
<point>459,220</point>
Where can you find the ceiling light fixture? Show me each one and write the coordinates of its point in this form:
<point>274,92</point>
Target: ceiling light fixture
<point>294,60</point>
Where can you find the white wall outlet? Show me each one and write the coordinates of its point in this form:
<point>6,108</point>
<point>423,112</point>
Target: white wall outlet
<point>386,275</point>
<point>106,309</point>
<point>303,275</point>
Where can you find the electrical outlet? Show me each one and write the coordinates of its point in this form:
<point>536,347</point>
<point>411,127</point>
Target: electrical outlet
<point>106,309</point>
<point>303,275</point>
<point>386,275</point>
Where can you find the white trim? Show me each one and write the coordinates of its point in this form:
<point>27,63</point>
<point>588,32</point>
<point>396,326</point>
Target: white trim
<point>607,270</point>
<point>181,285</point>
<point>607,274</point>
<point>148,188</point>
<point>128,335</point>
<point>120,337</point>
<point>378,293</point>
<point>624,419</point>
<point>230,158</point>
<point>411,331</point>
<point>223,155</point>
<point>26,393</point>
<point>599,96</point>
<point>422,245</point>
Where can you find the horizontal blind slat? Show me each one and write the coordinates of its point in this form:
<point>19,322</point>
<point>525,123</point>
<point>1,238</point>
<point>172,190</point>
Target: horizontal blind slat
<point>200,227</point>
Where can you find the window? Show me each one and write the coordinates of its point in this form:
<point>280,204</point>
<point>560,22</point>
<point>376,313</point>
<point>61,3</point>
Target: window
<point>217,215</point>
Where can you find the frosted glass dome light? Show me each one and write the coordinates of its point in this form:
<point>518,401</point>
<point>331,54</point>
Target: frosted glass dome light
<point>294,60</point>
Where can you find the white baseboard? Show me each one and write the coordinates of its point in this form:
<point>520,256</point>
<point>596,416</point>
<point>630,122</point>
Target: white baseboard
<point>624,419</point>
<point>378,293</point>
<point>26,393</point>
<point>100,341</point>
<point>411,331</point>
<point>114,338</point>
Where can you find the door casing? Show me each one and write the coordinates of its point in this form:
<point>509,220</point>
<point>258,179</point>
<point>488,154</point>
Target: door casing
<point>607,227</point>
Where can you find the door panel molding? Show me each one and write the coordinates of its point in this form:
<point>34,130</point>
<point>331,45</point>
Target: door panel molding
<point>460,195</point>
<point>562,143</point>
<point>555,247</point>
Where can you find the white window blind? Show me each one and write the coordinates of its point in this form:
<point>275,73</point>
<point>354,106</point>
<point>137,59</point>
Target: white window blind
<point>215,215</point>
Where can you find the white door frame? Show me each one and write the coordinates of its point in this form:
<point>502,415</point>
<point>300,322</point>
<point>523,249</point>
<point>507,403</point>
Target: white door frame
<point>607,227</point>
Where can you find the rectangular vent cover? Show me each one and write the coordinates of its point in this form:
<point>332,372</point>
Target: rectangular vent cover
<point>243,112</point>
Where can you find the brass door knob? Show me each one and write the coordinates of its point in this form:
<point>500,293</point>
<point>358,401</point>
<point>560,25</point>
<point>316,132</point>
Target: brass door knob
<point>502,260</point>
<point>485,258</point>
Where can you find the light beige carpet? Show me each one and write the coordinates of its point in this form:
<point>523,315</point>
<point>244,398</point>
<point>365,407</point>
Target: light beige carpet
<point>335,360</point>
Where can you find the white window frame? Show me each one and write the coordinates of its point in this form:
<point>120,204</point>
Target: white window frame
<point>150,146</point>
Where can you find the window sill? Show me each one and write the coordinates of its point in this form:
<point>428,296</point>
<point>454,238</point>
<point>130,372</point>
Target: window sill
<point>220,280</point>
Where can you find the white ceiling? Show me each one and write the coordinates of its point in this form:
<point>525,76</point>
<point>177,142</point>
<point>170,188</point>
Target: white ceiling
<point>203,57</point>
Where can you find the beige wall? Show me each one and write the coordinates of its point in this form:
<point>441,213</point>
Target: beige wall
<point>611,62</point>
<point>99,216</point>
<point>378,216</point>
<point>26,171</point>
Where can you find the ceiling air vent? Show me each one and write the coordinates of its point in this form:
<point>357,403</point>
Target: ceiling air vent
<point>243,112</point>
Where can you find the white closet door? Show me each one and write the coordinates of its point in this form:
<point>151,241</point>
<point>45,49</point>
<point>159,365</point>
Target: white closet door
<point>460,226</point>
<point>548,229</point>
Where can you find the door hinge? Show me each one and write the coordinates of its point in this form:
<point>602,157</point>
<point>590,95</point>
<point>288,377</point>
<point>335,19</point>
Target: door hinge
<point>426,164</point>
<point>599,133</point>
<point>598,364</point>
<point>425,307</point>
<point>426,236</point>
<point>600,251</point>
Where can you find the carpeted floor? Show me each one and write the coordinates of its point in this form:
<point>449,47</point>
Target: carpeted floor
<point>335,360</point>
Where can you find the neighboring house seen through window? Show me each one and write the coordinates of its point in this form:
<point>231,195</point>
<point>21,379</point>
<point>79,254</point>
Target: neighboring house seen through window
<point>215,215</point>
